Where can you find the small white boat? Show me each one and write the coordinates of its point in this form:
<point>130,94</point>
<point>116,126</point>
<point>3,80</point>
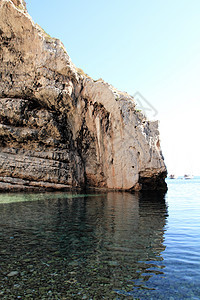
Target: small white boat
<point>172,176</point>
<point>188,176</point>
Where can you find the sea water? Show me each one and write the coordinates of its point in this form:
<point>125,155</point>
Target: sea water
<point>101,245</point>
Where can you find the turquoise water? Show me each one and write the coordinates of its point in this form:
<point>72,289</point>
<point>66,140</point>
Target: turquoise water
<point>101,246</point>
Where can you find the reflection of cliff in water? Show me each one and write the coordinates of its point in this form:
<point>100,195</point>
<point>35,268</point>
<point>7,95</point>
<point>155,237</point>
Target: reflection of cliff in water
<point>86,245</point>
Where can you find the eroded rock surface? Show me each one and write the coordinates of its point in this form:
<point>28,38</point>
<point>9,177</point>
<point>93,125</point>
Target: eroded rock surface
<point>60,129</point>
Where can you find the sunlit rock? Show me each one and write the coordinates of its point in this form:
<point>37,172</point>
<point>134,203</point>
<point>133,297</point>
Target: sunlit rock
<point>61,129</point>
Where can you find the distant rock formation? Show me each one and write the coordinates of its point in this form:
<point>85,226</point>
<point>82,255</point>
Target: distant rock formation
<point>61,129</point>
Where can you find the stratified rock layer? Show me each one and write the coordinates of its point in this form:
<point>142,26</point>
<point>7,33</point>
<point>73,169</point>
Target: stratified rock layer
<point>60,129</point>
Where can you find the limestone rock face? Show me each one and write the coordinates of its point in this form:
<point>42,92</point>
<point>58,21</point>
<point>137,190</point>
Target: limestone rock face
<point>60,129</point>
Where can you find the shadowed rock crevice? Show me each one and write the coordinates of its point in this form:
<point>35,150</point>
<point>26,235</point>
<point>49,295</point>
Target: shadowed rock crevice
<point>154,182</point>
<point>61,129</point>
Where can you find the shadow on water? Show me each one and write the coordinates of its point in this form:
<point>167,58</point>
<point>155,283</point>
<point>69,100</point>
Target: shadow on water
<point>62,246</point>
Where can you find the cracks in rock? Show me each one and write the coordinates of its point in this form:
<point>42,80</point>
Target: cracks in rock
<point>11,78</point>
<point>83,143</point>
<point>104,115</point>
<point>21,118</point>
<point>84,139</point>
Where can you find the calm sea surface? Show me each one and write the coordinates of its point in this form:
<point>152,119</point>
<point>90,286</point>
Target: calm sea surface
<point>101,246</point>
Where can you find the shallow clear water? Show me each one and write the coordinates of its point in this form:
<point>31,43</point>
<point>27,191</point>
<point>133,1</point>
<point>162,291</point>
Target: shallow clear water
<point>101,246</point>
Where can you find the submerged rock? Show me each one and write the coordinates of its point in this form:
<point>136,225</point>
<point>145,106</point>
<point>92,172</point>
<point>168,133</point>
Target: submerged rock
<point>13,273</point>
<point>61,129</point>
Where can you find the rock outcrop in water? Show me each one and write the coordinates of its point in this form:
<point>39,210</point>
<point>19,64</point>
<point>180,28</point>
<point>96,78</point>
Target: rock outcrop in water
<point>60,129</point>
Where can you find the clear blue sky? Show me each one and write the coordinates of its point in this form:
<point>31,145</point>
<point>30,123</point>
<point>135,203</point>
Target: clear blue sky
<point>148,46</point>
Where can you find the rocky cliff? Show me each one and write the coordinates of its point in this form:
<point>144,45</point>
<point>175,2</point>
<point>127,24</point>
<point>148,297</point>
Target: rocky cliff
<point>60,129</point>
